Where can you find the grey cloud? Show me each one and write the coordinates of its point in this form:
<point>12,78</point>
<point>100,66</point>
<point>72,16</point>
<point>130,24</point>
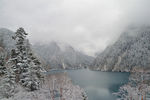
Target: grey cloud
<point>89,25</point>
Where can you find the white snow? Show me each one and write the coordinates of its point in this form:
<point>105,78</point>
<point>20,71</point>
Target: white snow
<point>58,82</point>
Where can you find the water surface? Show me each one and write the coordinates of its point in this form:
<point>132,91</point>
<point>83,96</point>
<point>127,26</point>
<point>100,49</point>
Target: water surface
<point>98,85</point>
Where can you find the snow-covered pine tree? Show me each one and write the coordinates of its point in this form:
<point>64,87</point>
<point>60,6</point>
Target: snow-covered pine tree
<point>7,81</point>
<point>36,66</point>
<point>23,64</point>
<point>2,62</point>
<point>8,84</point>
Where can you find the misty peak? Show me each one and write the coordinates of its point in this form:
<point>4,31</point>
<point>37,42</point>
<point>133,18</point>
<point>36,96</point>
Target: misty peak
<point>129,52</point>
<point>5,30</point>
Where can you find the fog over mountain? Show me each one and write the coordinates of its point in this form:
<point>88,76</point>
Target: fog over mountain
<point>88,25</point>
<point>129,53</point>
<point>61,56</point>
<point>6,40</point>
<point>53,55</point>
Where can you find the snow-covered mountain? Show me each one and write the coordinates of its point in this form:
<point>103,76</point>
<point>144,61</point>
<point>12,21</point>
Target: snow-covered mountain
<point>62,56</point>
<point>6,40</point>
<point>54,55</point>
<point>21,76</point>
<point>130,52</point>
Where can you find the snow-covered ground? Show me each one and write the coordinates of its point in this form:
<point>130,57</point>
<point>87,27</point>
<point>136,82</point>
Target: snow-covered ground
<point>55,87</point>
<point>138,87</point>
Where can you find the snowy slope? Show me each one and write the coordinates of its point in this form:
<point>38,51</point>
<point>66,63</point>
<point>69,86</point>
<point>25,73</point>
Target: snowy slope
<point>131,51</point>
<point>58,82</point>
<point>6,40</point>
<point>62,56</point>
<point>55,55</point>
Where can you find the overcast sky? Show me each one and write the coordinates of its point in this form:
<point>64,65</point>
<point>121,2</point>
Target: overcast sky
<point>88,25</point>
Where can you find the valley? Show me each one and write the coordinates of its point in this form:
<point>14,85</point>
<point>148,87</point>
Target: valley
<point>118,72</point>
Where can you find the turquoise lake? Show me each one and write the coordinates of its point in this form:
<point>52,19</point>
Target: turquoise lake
<point>98,85</point>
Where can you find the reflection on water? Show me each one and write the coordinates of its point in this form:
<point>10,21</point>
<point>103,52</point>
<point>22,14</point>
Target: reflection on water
<point>98,85</point>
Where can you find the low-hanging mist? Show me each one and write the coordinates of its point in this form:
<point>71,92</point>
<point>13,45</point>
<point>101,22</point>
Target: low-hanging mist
<point>88,25</point>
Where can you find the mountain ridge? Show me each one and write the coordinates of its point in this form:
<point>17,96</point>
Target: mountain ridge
<point>130,52</point>
<point>62,56</point>
<point>54,55</point>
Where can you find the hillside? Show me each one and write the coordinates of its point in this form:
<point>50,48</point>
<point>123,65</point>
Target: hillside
<point>22,75</point>
<point>54,55</point>
<point>62,56</point>
<point>130,52</point>
<point>6,40</point>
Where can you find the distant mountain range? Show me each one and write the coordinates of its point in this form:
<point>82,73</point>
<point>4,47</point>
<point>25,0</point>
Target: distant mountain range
<point>53,55</point>
<point>62,56</point>
<point>130,52</point>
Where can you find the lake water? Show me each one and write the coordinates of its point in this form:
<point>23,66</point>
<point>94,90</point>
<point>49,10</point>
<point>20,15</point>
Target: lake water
<point>98,85</point>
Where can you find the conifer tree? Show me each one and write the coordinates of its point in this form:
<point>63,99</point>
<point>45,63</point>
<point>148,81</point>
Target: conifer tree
<point>7,84</point>
<point>26,71</point>
<point>2,62</point>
